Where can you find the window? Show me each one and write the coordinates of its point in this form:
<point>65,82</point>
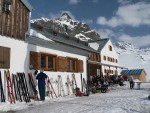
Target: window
<point>110,48</point>
<point>113,59</point>
<point>78,40</point>
<point>4,57</point>
<point>116,61</point>
<point>67,37</point>
<point>105,71</point>
<point>43,61</point>
<point>48,61</point>
<point>7,6</point>
<point>108,58</point>
<point>54,33</point>
<point>104,57</point>
<point>72,65</point>
<point>86,44</point>
<point>40,28</point>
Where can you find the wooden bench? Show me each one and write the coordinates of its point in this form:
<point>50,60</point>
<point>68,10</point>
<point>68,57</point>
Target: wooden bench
<point>139,84</point>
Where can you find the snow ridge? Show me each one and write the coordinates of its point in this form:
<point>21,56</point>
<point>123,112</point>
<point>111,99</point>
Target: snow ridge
<point>133,57</point>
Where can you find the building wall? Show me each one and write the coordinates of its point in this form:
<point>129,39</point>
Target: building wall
<point>136,77</point>
<point>112,54</point>
<point>143,76</point>
<point>14,21</point>
<point>19,60</point>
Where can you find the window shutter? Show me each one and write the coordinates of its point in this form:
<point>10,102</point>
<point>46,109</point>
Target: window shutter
<point>4,57</point>
<point>1,57</point>
<point>35,60</point>
<point>62,63</point>
<point>80,66</point>
<point>76,66</point>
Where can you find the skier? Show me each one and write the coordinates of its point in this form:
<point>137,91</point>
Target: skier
<point>41,84</point>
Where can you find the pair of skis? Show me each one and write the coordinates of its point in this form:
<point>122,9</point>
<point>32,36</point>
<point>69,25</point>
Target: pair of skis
<point>33,87</point>
<point>10,87</point>
<point>1,90</point>
<point>50,88</point>
<point>71,84</point>
<point>61,91</point>
<point>21,88</point>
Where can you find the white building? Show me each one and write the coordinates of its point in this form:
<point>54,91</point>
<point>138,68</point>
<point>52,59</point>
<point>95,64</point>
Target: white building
<point>109,61</point>
<point>57,54</point>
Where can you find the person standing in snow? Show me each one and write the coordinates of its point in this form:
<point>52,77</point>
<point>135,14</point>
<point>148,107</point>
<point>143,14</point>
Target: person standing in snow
<point>41,77</point>
<point>130,79</point>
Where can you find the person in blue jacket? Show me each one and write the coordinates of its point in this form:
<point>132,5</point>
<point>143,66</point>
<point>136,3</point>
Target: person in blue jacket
<point>41,77</point>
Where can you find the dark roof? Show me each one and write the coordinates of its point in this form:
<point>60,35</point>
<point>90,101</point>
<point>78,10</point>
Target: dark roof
<point>60,39</point>
<point>132,72</point>
<point>101,42</point>
<point>27,4</point>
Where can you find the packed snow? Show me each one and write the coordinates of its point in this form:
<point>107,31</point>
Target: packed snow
<point>117,100</point>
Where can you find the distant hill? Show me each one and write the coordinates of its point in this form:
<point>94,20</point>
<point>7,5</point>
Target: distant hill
<point>133,57</point>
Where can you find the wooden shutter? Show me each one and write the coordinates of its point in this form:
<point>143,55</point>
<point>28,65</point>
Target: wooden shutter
<point>4,57</point>
<point>1,57</point>
<point>35,60</point>
<point>62,63</point>
<point>80,66</point>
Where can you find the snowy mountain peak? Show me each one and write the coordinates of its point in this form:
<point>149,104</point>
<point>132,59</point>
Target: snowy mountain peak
<point>40,19</point>
<point>65,24</point>
<point>45,19</point>
<point>65,16</point>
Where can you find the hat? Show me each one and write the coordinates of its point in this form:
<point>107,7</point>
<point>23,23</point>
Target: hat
<point>41,70</point>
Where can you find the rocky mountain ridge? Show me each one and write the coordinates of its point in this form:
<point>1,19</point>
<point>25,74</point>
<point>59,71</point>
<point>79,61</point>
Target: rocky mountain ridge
<point>65,24</point>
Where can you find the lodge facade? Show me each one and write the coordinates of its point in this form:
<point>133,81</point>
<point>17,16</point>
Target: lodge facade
<point>57,54</point>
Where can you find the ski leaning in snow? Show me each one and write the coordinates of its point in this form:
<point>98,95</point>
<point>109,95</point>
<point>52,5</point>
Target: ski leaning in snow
<point>60,86</point>
<point>68,85</point>
<point>84,85</point>
<point>50,88</point>
<point>33,87</point>
<point>74,81</point>
<point>1,90</point>
<point>16,87</point>
<point>23,86</point>
<point>10,87</point>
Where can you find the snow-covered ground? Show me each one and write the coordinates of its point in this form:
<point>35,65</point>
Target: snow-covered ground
<point>133,57</point>
<point>117,100</point>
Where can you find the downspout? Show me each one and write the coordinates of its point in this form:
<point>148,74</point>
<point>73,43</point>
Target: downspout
<point>28,31</point>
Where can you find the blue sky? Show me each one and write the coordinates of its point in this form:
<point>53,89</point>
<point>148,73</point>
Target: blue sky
<point>119,20</point>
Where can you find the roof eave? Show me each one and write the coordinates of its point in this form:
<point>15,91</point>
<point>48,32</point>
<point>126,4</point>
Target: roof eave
<point>27,4</point>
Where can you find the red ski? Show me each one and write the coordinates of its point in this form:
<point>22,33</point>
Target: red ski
<point>9,87</point>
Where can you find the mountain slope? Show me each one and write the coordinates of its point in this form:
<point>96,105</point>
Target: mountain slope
<point>133,57</point>
<point>65,24</point>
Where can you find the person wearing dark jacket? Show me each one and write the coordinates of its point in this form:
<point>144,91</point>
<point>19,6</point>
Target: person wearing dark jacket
<point>41,77</point>
<point>131,80</point>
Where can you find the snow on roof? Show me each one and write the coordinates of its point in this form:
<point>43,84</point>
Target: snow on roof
<point>101,42</point>
<point>39,35</point>
<point>82,37</point>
